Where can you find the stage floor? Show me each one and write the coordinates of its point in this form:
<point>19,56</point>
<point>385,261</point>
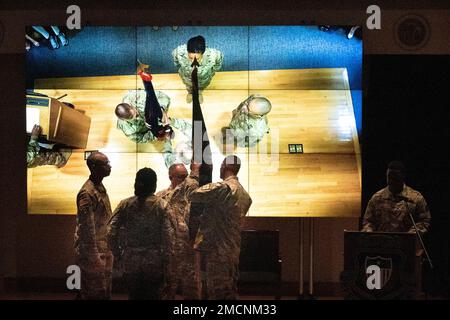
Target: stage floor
<point>312,107</point>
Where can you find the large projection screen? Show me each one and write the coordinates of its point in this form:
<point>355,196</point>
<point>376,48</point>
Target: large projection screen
<point>312,79</point>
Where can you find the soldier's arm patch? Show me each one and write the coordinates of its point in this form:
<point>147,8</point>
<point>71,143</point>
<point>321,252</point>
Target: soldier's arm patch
<point>85,202</point>
<point>86,223</point>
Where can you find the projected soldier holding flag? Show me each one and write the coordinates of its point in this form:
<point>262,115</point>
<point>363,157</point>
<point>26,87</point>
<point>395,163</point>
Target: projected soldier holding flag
<point>209,60</point>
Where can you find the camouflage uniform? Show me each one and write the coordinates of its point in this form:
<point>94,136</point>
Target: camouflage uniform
<point>211,62</point>
<point>389,213</point>
<point>38,157</point>
<point>174,156</point>
<point>136,129</point>
<point>94,212</point>
<point>247,129</point>
<point>184,260</point>
<point>219,237</point>
<point>141,236</point>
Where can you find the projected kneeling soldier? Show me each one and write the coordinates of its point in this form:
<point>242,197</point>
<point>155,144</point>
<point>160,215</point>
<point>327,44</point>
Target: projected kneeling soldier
<point>249,121</point>
<point>141,236</point>
<point>91,250</point>
<point>219,235</point>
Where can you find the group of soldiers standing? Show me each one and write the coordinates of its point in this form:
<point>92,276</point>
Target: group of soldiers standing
<point>148,235</point>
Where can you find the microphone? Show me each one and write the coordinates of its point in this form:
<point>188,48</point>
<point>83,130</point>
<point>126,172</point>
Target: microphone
<point>420,238</point>
<point>408,200</point>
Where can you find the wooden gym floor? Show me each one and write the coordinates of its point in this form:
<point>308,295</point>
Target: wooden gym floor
<point>312,107</point>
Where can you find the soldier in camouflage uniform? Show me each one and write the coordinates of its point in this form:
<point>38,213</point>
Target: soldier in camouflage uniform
<point>91,250</point>
<point>142,115</point>
<point>249,122</point>
<point>141,236</point>
<point>38,156</point>
<point>219,236</point>
<point>388,209</point>
<point>177,196</point>
<point>182,153</point>
<point>210,61</point>
<point>133,119</point>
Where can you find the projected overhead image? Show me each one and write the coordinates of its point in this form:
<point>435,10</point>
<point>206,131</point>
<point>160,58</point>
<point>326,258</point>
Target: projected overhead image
<point>285,99</point>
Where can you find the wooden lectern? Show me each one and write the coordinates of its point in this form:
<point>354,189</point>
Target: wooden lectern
<point>393,253</point>
<point>60,123</point>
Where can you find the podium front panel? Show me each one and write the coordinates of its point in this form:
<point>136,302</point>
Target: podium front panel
<point>392,253</point>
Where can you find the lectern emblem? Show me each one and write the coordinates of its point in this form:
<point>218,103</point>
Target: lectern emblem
<point>385,265</point>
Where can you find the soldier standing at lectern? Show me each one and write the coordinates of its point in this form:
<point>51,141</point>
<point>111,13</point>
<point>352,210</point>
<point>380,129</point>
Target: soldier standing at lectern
<point>388,209</point>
